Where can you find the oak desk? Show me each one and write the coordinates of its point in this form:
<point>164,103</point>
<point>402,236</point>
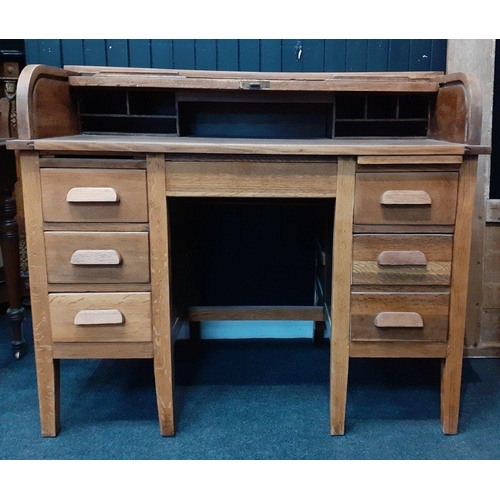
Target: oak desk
<point>112,159</point>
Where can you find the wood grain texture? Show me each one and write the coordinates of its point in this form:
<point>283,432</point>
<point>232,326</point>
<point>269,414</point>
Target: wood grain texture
<point>133,248</point>
<point>431,307</point>
<point>402,258</point>
<point>283,313</point>
<point>47,367</point>
<point>251,179</point>
<point>130,186</point>
<point>154,144</point>
<point>160,287</point>
<point>341,284</point>
<point>101,350</point>
<point>420,160</point>
<point>44,104</point>
<point>397,349</point>
<point>441,187</point>
<point>430,266</point>
<point>133,307</point>
<point>405,197</point>
<point>451,375</point>
<point>398,320</point>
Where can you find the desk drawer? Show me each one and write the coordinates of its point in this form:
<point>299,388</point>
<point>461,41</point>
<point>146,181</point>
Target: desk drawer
<point>97,257</point>
<point>399,316</point>
<point>100,317</point>
<point>406,198</point>
<point>401,259</point>
<point>94,195</point>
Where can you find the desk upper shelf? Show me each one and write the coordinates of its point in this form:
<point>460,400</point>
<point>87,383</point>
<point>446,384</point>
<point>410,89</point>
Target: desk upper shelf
<point>169,111</point>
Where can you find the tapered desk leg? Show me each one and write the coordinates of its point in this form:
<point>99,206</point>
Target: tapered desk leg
<point>341,286</point>
<point>48,379</point>
<point>451,374</point>
<point>160,290</point>
<point>9,240</point>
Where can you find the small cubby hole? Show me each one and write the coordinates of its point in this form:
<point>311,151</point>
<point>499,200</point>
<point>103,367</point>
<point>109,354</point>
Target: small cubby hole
<point>127,111</point>
<point>381,114</point>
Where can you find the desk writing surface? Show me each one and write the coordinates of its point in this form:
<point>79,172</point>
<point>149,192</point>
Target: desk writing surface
<point>162,144</point>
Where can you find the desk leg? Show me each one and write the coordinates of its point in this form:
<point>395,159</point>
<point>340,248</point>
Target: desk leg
<point>9,240</point>
<point>160,290</point>
<point>341,290</point>
<point>47,368</point>
<point>451,374</point>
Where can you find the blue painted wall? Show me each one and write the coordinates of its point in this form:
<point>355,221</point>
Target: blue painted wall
<point>245,55</point>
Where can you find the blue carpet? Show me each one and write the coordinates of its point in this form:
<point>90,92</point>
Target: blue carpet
<point>247,399</point>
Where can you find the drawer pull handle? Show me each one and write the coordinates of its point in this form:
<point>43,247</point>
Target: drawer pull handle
<point>402,258</point>
<point>399,320</point>
<point>96,258</point>
<point>92,195</point>
<point>99,317</point>
<point>405,197</point>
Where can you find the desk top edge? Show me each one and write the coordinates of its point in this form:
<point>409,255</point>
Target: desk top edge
<point>157,144</point>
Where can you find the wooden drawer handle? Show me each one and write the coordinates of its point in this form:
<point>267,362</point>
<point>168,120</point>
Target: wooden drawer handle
<point>405,197</point>
<point>402,258</point>
<point>399,320</point>
<point>96,258</point>
<point>99,317</point>
<point>92,195</point>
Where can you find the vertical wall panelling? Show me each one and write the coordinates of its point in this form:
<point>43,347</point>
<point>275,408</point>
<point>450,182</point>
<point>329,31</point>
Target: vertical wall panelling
<point>290,52</point>
<point>335,55</point>
<point>399,55</point>
<point>313,55</point>
<point>270,55</point>
<point>117,52</point>
<point>227,55</point>
<point>206,54</point>
<point>356,55</point>
<point>377,55</point>
<point>94,52</point>
<point>72,51</point>
<point>50,52</point>
<point>184,54</point>
<point>420,55</point>
<point>294,55</point>
<point>139,53</point>
<point>249,55</point>
<point>438,54</point>
<point>162,54</point>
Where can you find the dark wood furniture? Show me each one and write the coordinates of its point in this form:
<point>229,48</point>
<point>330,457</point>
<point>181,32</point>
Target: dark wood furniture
<point>10,66</point>
<point>122,169</point>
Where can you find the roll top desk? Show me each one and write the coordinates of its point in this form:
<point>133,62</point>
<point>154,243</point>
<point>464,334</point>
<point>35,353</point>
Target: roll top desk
<point>121,166</point>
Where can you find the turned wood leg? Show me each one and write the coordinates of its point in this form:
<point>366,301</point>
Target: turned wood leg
<point>9,240</point>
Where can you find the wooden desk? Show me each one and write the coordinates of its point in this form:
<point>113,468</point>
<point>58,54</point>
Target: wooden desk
<point>103,200</point>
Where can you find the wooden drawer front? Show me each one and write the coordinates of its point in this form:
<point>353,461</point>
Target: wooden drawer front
<point>97,257</point>
<point>100,317</point>
<point>94,195</point>
<point>401,259</point>
<point>406,198</point>
<point>369,308</point>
